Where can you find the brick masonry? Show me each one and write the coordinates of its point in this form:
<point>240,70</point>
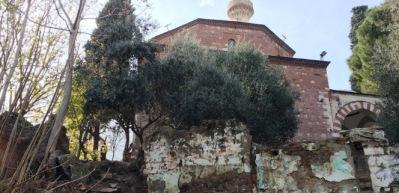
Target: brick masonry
<point>312,84</point>
<point>216,34</point>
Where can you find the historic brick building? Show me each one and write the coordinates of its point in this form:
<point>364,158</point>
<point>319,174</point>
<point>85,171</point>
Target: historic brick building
<point>322,112</point>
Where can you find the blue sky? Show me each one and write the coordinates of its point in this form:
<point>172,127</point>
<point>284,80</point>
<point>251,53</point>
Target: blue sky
<point>310,26</point>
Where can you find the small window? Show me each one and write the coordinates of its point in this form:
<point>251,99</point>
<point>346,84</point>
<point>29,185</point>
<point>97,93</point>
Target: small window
<point>231,43</point>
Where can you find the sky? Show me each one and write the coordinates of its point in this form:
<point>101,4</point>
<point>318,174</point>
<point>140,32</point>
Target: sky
<point>310,26</point>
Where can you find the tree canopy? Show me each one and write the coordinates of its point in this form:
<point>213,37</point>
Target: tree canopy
<point>386,58</point>
<point>358,15</point>
<point>388,86</point>
<point>192,84</point>
<point>373,30</point>
<point>374,61</point>
<point>113,87</point>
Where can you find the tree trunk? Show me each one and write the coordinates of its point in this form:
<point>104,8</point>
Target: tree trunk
<point>82,139</point>
<point>96,140</point>
<point>140,155</point>
<point>56,129</point>
<point>126,149</point>
<point>16,57</point>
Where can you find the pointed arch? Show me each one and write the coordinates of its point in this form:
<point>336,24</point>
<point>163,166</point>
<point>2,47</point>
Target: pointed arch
<point>347,109</point>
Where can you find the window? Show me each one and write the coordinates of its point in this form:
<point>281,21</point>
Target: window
<point>231,43</point>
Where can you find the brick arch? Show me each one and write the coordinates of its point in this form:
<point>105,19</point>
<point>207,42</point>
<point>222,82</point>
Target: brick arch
<point>351,107</point>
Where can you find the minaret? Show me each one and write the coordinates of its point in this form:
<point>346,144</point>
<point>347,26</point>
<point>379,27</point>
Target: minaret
<point>240,10</point>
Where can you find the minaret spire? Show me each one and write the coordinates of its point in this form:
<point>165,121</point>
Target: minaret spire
<point>240,10</point>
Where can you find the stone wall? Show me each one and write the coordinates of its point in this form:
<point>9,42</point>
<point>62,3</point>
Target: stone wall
<point>219,157</point>
<point>306,167</point>
<point>382,159</point>
<point>384,168</point>
<point>186,161</point>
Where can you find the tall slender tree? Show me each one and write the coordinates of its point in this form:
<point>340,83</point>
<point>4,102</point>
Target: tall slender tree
<point>365,35</point>
<point>18,51</point>
<point>110,70</point>
<point>73,24</point>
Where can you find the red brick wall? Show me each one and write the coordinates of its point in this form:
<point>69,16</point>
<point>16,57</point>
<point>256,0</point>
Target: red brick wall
<point>313,103</point>
<point>217,37</point>
<point>309,79</point>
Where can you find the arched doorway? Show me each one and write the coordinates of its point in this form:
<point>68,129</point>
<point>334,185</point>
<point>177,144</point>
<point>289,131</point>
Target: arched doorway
<point>358,114</point>
<point>360,119</point>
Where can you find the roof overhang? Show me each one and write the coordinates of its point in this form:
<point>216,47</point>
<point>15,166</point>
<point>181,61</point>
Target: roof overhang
<point>298,61</point>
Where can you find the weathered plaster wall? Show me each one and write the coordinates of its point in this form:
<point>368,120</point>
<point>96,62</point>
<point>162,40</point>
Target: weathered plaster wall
<point>382,159</point>
<point>180,160</point>
<point>306,167</point>
<point>384,167</point>
<point>216,157</point>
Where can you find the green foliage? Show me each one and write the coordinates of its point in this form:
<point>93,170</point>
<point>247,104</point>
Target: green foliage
<point>375,62</point>
<point>268,108</point>
<point>192,84</point>
<point>75,116</point>
<point>372,31</point>
<point>386,57</point>
<point>358,15</point>
<point>114,91</point>
<point>189,88</point>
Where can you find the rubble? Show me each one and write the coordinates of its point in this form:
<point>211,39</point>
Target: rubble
<point>115,177</point>
<point>368,135</point>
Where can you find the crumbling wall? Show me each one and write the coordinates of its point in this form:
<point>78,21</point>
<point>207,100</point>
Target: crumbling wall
<point>216,157</point>
<point>382,159</point>
<point>306,167</point>
<point>384,167</point>
<point>185,161</point>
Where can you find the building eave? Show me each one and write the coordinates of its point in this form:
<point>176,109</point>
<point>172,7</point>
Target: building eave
<point>353,93</point>
<point>298,61</point>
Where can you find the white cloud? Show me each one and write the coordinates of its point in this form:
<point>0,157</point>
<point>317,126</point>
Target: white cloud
<point>207,3</point>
